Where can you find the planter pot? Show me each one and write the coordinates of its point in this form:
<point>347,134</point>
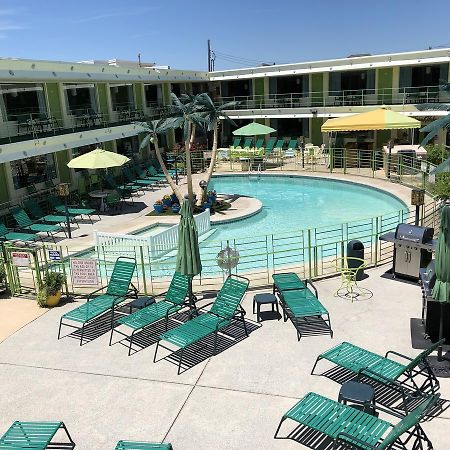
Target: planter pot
<point>206,206</point>
<point>53,300</point>
<point>159,208</point>
<point>212,199</point>
<point>167,202</point>
<point>174,198</point>
<point>175,209</point>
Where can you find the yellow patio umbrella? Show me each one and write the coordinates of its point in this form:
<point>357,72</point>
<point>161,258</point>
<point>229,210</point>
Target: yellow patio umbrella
<point>377,119</point>
<point>98,159</point>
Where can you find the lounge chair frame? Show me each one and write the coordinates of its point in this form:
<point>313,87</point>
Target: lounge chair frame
<point>403,382</point>
<point>239,315</point>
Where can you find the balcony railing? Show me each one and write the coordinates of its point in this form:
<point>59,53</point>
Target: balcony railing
<point>360,97</point>
<point>34,125</point>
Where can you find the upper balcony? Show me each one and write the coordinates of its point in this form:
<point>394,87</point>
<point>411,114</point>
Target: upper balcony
<point>360,97</point>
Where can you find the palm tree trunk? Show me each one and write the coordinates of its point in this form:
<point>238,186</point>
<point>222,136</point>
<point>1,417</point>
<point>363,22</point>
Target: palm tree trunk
<point>187,145</point>
<point>210,170</point>
<point>169,179</point>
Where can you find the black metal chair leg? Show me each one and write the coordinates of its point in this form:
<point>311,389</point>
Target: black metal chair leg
<point>156,351</point>
<point>131,343</point>
<point>82,333</point>
<point>279,426</point>
<point>59,331</point>
<point>315,364</point>
<point>179,363</point>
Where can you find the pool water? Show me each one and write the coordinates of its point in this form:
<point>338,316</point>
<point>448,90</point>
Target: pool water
<point>294,203</point>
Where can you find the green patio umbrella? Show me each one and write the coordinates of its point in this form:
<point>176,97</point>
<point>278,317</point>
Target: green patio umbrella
<point>441,289</point>
<point>253,129</point>
<point>188,256</point>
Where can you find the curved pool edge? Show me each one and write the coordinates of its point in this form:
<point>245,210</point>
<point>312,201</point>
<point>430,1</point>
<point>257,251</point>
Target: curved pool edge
<point>252,207</point>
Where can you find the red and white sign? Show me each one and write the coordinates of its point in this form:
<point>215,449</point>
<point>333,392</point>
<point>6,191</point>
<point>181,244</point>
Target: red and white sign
<point>84,272</point>
<point>21,259</point>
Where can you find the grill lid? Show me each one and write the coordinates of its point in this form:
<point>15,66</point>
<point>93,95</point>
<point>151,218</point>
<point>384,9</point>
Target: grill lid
<point>413,233</point>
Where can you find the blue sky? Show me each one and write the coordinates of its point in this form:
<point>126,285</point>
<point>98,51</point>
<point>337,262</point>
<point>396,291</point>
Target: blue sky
<point>174,32</point>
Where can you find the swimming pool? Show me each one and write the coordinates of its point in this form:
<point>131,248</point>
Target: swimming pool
<point>293,203</point>
<point>302,219</point>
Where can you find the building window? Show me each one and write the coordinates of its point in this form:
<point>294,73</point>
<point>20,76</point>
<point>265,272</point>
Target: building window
<point>33,170</point>
<point>122,97</point>
<point>151,94</point>
<point>128,146</point>
<point>80,99</point>
<point>22,101</point>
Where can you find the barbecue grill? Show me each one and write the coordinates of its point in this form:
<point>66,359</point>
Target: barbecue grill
<point>412,249</point>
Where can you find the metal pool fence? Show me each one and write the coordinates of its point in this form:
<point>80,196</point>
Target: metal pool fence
<point>312,253</point>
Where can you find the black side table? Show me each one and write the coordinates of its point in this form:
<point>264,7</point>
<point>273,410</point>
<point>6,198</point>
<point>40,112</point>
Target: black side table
<point>263,299</point>
<point>141,302</point>
<point>359,394</point>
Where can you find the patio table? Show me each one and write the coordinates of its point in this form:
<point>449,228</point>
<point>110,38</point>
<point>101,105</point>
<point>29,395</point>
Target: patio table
<point>101,195</point>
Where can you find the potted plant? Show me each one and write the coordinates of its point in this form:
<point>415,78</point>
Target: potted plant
<point>49,292</point>
<point>158,206</point>
<point>176,208</point>
<point>167,200</point>
<point>211,196</point>
<point>174,198</point>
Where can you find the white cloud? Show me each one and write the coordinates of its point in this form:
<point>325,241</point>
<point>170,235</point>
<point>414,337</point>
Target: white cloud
<point>113,14</point>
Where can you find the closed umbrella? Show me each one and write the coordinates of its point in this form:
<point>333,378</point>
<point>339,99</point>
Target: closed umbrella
<point>188,256</point>
<point>441,289</point>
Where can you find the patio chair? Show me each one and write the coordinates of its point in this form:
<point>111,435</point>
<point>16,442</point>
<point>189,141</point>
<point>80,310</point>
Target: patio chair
<point>236,142</point>
<point>349,267</point>
<point>302,306</point>
<point>397,375</point>
<point>351,428</point>
<point>113,201</point>
<point>247,143</point>
<point>279,145</point>
<point>34,435</point>
<point>291,150</point>
<point>259,143</point>
<point>136,181</point>
<point>174,299</point>
<point>56,203</point>
<point>37,212</point>
<point>226,308</point>
<point>286,282</point>
<point>25,223</point>
<point>118,290</point>
<point>129,445</point>
<point>10,235</point>
<point>154,173</point>
<point>125,190</point>
<point>269,145</point>
<point>143,175</point>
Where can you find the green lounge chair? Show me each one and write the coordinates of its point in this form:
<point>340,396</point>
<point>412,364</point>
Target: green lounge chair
<point>34,435</point>
<point>247,143</point>
<point>286,282</point>
<point>269,145</point>
<point>9,235</point>
<point>236,142</point>
<point>291,150</point>
<point>58,206</point>
<point>25,223</point>
<point>36,211</point>
<point>351,428</point>
<point>226,307</point>
<point>129,445</point>
<point>397,375</point>
<point>142,174</point>
<point>118,290</point>
<point>121,188</point>
<point>279,145</point>
<point>135,181</point>
<point>174,300</point>
<point>259,143</point>
<point>154,173</point>
<point>303,308</point>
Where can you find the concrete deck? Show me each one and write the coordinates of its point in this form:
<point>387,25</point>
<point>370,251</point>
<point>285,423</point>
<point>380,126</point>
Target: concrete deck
<point>230,401</point>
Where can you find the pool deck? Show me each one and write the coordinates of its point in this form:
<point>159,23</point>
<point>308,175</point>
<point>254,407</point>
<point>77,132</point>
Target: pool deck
<point>135,217</point>
<point>230,401</point>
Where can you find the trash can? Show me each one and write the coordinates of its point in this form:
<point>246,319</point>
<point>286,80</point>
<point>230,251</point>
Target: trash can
<point>355,249</point>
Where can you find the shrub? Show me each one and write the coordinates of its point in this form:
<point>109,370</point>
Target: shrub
<point>436,153</point>
<point>441,188</point>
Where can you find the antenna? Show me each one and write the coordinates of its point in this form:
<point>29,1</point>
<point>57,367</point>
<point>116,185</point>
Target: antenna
<point>209,55</point>
<point>139,59</point>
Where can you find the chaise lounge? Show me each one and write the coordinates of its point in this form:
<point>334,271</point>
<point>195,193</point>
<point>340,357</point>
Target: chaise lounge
<point>118,290</point>
<point>226,308</point>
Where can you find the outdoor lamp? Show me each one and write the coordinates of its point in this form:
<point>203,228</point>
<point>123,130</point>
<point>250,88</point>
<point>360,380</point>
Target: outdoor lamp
<point>417,200</point>
<point>63,191</point>
<point>203,184</point>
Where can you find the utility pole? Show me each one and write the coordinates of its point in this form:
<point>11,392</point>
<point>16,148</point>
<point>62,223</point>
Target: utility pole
<point>139,59</point>
<point>209,55</point>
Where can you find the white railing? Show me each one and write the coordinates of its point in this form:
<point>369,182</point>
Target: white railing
<point>158,244</point>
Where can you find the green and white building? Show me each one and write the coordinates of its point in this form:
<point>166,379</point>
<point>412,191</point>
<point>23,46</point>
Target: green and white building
<point>53,111</point>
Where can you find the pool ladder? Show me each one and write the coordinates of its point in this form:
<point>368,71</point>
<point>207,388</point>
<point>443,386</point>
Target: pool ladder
<point>251,172</point>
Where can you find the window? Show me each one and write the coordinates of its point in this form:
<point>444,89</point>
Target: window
<point>128,146</point>
<point>33,170</point>
<point>80,99</point>
<point>122,97</point>
<point>22,101</point>
<point>151,94</point>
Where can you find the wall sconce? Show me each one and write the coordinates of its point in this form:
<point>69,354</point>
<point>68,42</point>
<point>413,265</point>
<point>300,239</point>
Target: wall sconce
<point>297,81</point>
<point>428,70</point>
<point>363,75</point>
<point>313,111</point>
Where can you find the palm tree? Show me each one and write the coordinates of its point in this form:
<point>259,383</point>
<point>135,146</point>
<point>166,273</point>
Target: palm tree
<point>212,114</point>
<point>185,114</point>
<point>153,128</point>
<point>443,122</point>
